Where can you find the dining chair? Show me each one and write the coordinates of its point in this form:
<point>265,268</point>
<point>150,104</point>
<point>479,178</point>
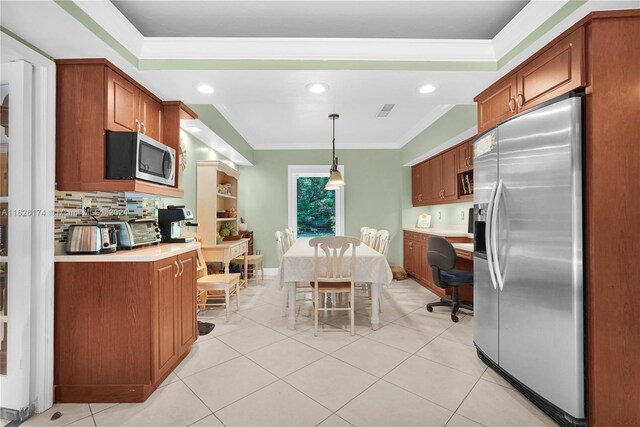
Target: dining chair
<point>330,274</point>
<point>370,239</point>
<point>363,234</point>
<point>300,287</point>
<point>382,242</point>
<point>216,287</point>
<point>291,238</point>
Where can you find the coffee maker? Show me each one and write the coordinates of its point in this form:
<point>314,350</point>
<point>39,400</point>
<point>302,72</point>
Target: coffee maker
<point>171,221</point>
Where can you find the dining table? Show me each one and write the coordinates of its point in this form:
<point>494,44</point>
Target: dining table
<point>297,265</point>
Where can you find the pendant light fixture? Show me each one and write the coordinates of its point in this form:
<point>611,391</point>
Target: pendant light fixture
<point>335,177</point>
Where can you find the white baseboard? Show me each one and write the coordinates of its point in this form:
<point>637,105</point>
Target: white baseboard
<point>271,272</point>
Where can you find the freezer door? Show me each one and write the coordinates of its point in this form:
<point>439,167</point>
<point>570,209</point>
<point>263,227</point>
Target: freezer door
<point>540,253</point>
<point>485,295</point>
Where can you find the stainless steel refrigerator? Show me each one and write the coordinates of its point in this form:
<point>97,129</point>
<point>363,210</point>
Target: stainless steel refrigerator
<point>528,273</point>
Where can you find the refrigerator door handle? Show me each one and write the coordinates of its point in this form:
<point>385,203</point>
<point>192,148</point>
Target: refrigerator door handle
<point>490,209</point>
<point>494,238</point>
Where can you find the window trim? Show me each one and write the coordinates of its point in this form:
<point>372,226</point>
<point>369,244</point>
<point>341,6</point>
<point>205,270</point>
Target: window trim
<point>297,171</point>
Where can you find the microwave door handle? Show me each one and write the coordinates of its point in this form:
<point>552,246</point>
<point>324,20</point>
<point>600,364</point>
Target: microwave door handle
<point>164,169</point>
<point>494,238</point>
<point>487,236</point>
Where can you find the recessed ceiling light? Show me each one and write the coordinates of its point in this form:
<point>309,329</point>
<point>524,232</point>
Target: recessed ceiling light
<point>427,89</point>
<point>205,89</point>
<point>317,87</point>
<point>193,129</point>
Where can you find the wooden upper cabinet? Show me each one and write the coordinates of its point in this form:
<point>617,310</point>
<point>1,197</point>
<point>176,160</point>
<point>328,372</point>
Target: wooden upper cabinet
<point>435,193</point>
<point>150,117</point>
<point>464,154</point>
<point>122,103</point>
<point>449,182</point>
<point>496,103</point>
<point>416,185</point>
<point>556,71</point>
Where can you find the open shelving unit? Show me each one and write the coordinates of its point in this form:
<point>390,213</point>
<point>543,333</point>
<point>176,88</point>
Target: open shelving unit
<point>210,173</point>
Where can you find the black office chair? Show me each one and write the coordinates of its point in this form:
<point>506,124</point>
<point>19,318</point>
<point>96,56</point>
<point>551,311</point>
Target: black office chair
<point>442,258</point>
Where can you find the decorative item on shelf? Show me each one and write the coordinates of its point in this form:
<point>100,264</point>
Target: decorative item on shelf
<point>335,177</point>
<point>243,225</point>
<point>219,238</point>
<point>220,188</point>
<point>183,156</point>
<point>222,214</point>
<point>228,231</point>
<point>231,212</point>
<point>424,221</point>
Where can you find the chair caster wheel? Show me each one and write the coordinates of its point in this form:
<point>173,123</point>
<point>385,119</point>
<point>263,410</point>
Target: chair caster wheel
<point>429,309</point>
<point>454,318</point>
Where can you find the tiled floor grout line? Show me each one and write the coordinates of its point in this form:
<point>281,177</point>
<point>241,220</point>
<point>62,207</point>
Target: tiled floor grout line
<point>201,401</point>
<point>465,398</point>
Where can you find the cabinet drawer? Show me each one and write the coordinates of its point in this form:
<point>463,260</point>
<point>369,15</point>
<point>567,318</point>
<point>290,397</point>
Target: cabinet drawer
<point>238,249</point>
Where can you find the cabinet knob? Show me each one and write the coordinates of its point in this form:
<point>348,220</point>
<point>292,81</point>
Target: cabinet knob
<point>177,269</point>
<point>520,100</point>
<point>512,104</point>
<point>137,125</point>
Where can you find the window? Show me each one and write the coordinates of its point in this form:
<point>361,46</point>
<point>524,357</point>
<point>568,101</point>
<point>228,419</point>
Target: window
<point>314,211</point>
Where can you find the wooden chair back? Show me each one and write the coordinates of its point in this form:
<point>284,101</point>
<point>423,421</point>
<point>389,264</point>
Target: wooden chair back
<point>291,238</point>
<point>370,239</point>
<point>382,242</point>
<point>201,268</point>
<point>280,244</point>
<point>329,268</point>
<point>363,234</point>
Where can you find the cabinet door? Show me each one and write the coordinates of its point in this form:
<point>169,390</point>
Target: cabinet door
<point>470,152</point>
<point>418,262</point>
<point>496,103</point>
<point>554,72</point>
<point>426,183</point>
<point>164,318</point>
<point>436,165</point>
<point>122,103</point>
<point>187,320</point>
<point>462,154</point>
<point>449,175</point>
<point>425,268</point>
<point>150,117</point>
<point>416,186</point>
<point>407,255</point>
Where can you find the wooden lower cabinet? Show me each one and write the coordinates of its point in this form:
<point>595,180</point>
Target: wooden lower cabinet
<point>120,328</point>
<point>417,266</point>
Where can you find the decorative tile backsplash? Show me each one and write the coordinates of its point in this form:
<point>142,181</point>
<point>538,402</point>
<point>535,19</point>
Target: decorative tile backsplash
<point>104,205</point>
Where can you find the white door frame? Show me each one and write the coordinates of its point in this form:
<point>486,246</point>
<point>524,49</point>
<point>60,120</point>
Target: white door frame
<point>42,219</point>
<point>296,171</point>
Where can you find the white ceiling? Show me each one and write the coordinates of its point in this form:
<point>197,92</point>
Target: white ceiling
<point>416,19</point>
<point>271,109</point>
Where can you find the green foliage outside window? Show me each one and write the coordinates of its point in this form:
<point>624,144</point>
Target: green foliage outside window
<point>316,207</point>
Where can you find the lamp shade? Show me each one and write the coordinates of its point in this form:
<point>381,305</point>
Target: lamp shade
<point>335,181</point>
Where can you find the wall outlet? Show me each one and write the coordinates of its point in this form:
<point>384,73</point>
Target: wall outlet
<point>439,215</point>
<point>461,214</point>
<point>86,204</point>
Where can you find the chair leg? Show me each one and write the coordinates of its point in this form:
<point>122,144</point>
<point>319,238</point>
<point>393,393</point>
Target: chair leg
<point>226,302</point>
<point>238,296</point>
<point>351,314</point>
<point>285,299</point>
<point>456,304</point>
<point>315,311</point>
<point>262,270</point>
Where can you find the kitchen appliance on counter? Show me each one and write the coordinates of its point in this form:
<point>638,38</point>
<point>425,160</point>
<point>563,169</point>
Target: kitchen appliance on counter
<point>528,256</point>
<point>91,239</point>
<point>134,155</point>
<point>136,232</point>
<point>172,220</point>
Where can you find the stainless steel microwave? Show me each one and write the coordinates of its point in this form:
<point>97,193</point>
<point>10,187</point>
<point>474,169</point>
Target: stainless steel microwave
<point>134,155</point>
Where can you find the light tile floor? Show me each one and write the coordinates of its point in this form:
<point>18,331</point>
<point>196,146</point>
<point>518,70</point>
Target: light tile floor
<point>419,369</point>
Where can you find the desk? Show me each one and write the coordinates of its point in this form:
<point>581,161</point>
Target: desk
<point>225,252</point>
<point>297,266</point>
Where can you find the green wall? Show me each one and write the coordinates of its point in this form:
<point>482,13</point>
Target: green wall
<point>452,123</point>
<point>373,194</point>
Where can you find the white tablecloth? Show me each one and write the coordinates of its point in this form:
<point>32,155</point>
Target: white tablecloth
<point>297,266</point>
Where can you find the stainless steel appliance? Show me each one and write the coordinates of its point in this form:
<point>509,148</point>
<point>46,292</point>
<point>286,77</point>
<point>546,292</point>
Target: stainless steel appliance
<point>528,287</point>
<point>134,155</point>
<point>91,239</point>
<point>136,232</point>
<point>172,220</point>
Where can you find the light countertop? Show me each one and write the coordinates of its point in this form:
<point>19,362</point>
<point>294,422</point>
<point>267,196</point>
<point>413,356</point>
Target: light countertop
<point>145,254</point>
<point>468,247</point>
<point>439,231</point>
